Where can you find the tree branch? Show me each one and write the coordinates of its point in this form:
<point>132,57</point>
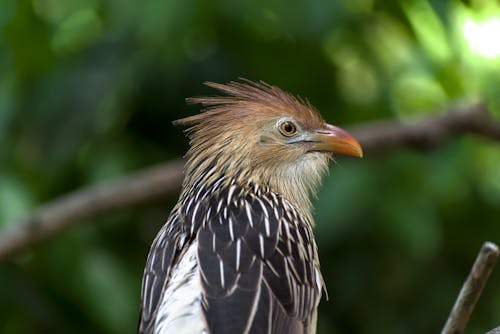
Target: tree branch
<point>165,179</point>
<point>472,289</point>
<point>137,188</point>
<point>428,132</point>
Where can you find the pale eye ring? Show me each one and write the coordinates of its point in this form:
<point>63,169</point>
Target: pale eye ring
<point>287,128</point>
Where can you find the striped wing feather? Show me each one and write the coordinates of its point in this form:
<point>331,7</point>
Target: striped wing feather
<point>167,247</point>
<point>257,260</point>
<point>258,265</point>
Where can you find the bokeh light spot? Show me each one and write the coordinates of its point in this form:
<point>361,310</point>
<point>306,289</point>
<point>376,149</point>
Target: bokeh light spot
<point>483,37</point>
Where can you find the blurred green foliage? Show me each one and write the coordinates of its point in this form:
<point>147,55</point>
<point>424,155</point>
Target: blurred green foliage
<point>88,89</point>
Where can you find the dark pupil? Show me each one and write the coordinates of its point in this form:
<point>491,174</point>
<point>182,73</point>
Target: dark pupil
<point>288,127</point>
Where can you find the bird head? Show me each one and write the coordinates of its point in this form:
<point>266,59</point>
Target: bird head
<point>256,133</point>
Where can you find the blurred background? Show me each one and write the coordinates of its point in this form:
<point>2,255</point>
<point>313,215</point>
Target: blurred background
<point>88,90</point>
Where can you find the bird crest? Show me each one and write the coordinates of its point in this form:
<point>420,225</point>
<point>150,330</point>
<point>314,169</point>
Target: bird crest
<point>249,98</point>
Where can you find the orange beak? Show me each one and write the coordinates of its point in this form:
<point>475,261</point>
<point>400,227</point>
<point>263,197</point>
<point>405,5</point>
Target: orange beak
<point>335,140</point>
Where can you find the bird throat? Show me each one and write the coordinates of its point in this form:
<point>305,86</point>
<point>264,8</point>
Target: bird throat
<point>297,181</point>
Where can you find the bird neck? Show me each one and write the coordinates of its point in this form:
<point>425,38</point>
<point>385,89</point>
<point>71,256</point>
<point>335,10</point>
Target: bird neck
<point>295,182</point>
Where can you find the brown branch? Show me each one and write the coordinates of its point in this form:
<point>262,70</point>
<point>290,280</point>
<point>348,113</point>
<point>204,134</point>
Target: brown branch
<point>472,289</point>
<point>429,132</point>
<point>134,189</point>
<point>164,180</point>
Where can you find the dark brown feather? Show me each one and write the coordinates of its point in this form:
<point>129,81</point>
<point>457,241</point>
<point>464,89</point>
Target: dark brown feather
<point>273,289</point>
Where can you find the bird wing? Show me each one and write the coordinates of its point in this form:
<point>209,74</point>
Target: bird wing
<point>166,249</point>
<point>258,265</point>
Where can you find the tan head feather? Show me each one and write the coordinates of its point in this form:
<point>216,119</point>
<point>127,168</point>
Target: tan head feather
<point>247,97</point>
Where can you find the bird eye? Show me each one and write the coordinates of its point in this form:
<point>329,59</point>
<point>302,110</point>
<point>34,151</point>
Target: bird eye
<point>287,128</point>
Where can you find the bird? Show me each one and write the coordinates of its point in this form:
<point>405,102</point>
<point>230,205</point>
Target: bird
<point>237,253</point>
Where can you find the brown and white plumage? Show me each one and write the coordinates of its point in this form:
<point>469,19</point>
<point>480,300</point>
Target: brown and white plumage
<point>237,254</point>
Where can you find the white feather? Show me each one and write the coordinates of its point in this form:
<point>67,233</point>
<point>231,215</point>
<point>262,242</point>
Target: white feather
<point>180,307</point>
